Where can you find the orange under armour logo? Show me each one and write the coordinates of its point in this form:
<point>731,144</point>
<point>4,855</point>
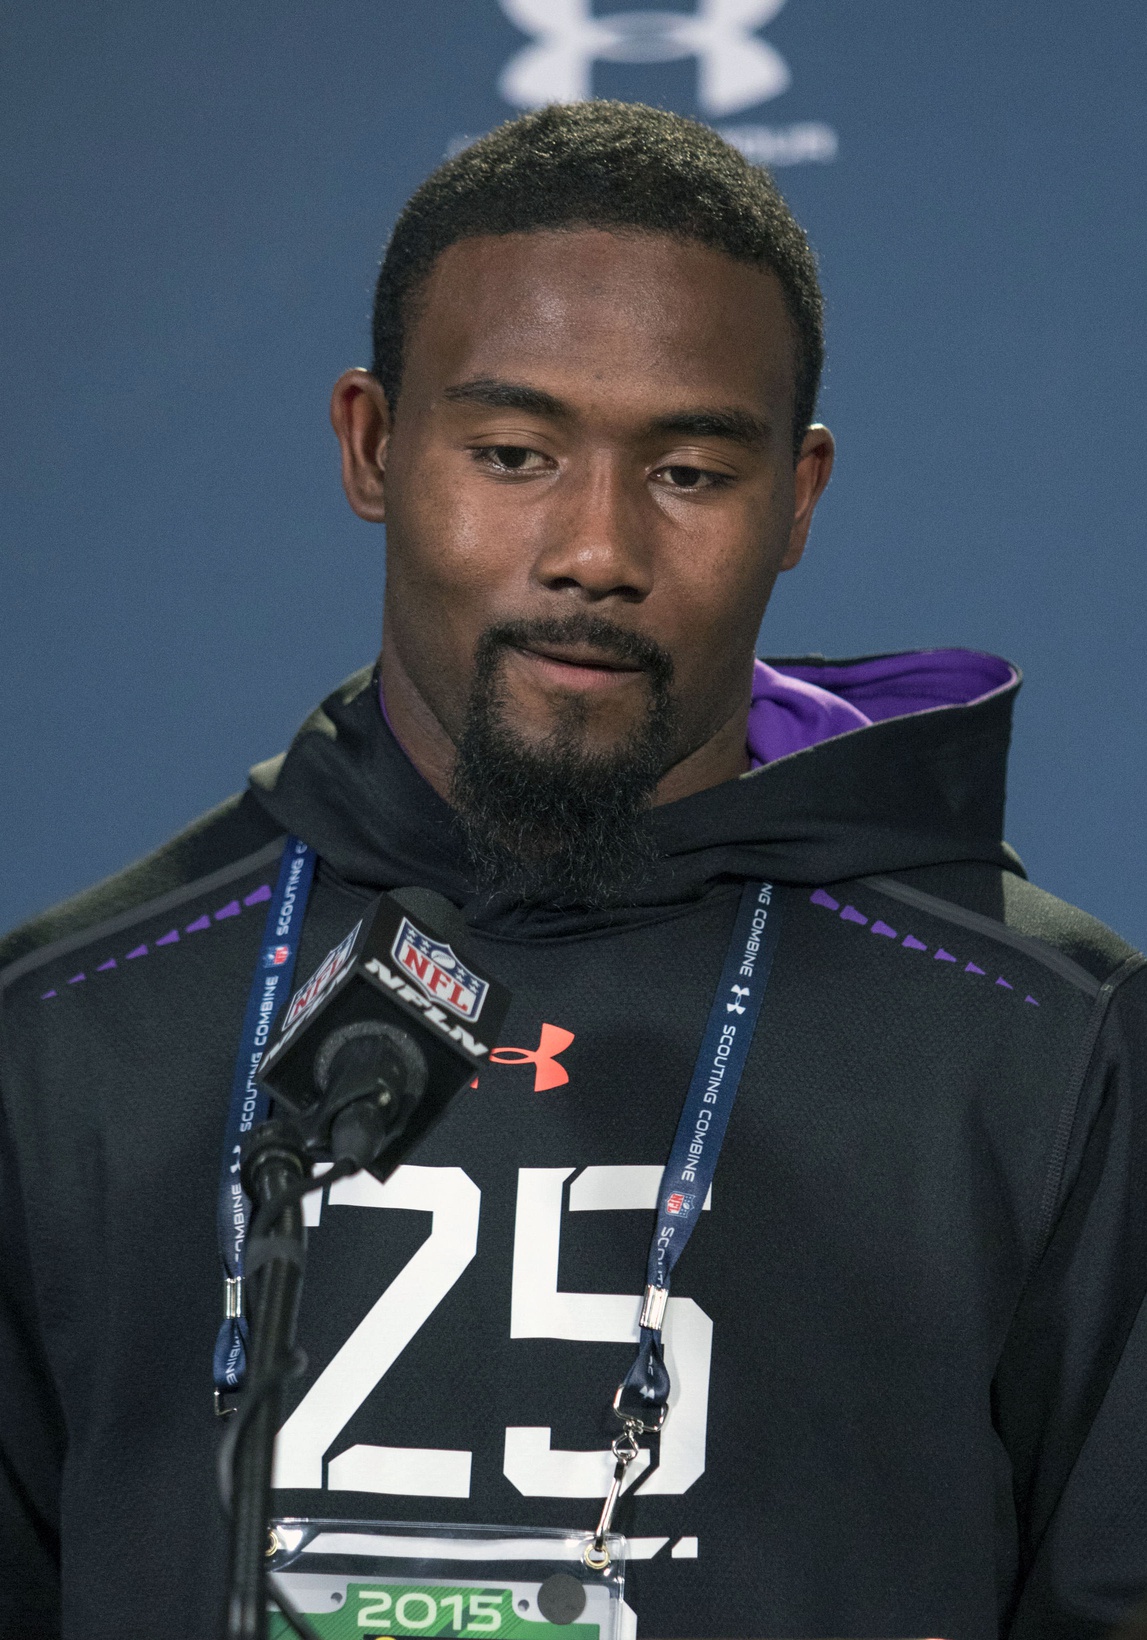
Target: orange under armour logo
<point>547,1072</point>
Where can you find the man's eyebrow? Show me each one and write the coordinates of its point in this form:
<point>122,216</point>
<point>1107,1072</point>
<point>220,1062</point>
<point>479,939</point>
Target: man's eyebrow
<point>493,394</point>
<point>737,425</point>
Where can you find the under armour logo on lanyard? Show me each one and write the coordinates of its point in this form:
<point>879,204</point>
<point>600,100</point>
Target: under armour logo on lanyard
<point>642,1399</point>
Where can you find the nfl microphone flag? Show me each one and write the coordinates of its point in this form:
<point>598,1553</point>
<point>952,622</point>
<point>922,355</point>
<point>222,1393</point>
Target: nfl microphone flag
<point>397,967</point>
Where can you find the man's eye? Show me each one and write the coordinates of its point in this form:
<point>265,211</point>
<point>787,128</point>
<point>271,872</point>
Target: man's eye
<point>691,478</point>
<point>510,458</point>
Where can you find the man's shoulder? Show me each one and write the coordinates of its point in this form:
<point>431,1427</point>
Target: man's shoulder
<point>224,842</point>
<point>1034,912</point>
<point>1007,907</point>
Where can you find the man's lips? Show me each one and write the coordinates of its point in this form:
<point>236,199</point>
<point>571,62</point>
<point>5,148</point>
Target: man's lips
<point>577,666</point>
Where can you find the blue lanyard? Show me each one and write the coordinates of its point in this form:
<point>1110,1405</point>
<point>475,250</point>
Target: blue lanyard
<point>644,1392</point>
<point>270,986</point>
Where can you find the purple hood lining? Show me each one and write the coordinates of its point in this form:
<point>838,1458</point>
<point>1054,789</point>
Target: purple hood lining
<point>797,704</point>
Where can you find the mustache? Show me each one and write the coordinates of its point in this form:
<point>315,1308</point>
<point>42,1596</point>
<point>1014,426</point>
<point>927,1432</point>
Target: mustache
<point>613,641</point>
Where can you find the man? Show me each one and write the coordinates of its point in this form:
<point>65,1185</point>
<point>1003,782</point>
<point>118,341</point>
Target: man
<point>905,1339</point>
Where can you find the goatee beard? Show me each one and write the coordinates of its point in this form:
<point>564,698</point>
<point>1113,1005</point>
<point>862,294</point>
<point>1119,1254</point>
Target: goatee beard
<point>552,821</point>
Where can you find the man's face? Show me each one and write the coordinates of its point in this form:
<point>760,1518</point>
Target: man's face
<point>594,429</point>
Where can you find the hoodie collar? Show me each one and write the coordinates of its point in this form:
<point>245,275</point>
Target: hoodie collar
<point>798,703</point>
<point>879,764</point>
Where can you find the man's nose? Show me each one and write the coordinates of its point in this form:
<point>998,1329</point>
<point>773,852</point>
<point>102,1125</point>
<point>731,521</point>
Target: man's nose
<point>598,536</point>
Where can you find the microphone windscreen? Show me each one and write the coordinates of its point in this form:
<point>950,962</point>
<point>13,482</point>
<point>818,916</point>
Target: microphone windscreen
<point>400,984</point>
<point>426,905</point>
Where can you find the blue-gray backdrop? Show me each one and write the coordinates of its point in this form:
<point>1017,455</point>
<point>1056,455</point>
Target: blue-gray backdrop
<point>194,200</point>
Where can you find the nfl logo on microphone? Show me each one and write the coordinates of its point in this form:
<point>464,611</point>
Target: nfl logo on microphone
<point>438,971</point>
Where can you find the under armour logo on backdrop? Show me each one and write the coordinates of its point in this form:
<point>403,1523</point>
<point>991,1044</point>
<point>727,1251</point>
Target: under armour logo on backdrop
<point>734,68</point>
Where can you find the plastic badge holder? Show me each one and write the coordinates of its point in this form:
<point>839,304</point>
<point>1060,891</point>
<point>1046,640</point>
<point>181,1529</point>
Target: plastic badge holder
<point>373,1579</point>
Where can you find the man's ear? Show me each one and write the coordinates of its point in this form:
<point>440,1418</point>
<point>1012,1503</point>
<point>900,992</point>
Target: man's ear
<point>360,417</point>
<point>813,470</point>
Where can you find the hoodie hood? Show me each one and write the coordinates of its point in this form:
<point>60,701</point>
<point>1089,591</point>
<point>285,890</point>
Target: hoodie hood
<point>798,703</point>
<point>878,764</point>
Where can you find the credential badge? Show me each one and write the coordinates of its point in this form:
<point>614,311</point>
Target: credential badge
<point>438,971</point>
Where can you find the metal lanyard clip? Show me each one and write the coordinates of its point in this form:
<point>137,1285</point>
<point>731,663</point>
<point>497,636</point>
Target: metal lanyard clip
<point>625,1449</point>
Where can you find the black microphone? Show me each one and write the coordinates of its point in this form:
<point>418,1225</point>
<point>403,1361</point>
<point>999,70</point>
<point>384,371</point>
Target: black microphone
<point>394,1021</point>
<point>364,1058</point>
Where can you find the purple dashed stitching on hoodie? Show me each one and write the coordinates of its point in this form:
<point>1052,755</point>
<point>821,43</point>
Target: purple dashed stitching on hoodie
<point>258,896</point>
<point>821,897</point>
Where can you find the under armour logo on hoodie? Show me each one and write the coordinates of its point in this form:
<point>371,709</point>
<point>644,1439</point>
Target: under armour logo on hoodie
<point>547,1072</point>
<point>734,68</point>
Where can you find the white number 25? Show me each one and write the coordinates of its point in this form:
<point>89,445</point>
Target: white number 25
<point>538,1309</point>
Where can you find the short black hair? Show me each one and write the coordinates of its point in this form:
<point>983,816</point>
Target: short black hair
<point>603,165</point>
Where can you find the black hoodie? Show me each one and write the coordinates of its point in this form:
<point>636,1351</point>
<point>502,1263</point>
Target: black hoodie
<point>907,1338</point>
